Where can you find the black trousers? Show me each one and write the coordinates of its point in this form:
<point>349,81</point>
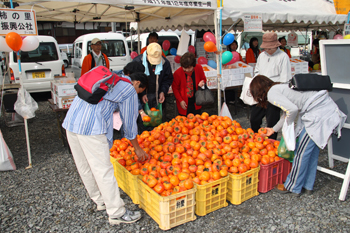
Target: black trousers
<point>272,114</point>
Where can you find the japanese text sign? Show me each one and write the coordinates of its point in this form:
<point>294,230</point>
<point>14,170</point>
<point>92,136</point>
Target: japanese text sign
<point>253,23</point>
<point>22,22</point>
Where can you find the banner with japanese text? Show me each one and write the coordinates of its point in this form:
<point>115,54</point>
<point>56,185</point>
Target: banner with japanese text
<point>22,22</point>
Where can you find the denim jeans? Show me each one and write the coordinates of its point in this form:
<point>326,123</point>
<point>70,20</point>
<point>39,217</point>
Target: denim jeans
<point>303,173</point>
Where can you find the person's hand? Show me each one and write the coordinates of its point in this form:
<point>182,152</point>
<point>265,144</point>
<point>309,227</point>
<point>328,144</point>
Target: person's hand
<point>161,97</point>
<point>143,114</point>
<point>217,52</point>
<point>141,155</point>
<point>201,83</point>
<point>144,99</point>
<point>269,132</point>
<point>183,105</point>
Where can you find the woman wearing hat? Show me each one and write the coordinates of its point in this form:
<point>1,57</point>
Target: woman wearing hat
<point>274,64</point>
<point>187,79</point>
<point>253,52</point>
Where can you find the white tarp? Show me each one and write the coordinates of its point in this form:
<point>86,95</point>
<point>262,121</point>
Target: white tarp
<point>277,13</point>
<point>152,14</point>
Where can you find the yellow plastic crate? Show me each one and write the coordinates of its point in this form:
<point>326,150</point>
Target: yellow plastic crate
<point>126,181</point>
<point>211,197</point>
<point>243,187</point>
<point>170,211</point>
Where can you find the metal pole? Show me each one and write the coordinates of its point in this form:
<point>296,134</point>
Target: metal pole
<point>138,38</point>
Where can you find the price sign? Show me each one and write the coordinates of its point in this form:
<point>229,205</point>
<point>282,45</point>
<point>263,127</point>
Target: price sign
<point>253,23</point>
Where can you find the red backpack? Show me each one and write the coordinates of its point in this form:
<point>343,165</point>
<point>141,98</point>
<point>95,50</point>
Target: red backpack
<point>93,85</point>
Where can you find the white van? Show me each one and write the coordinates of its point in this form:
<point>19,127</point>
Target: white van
<point>38,66</point>
<point>113,45</point>
<point>68,50</point>
<point>172,37</point>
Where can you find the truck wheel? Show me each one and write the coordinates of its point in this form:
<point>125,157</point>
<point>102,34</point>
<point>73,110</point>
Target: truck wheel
<point>66,64</point>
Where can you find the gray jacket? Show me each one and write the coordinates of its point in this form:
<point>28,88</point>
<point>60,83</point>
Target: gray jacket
<point>320,116</point>
<point>317,112</point>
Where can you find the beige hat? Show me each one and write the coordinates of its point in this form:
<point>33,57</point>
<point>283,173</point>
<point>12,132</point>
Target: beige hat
<point>270,41</point>
<point>95,40</point>
<point>154,53</point>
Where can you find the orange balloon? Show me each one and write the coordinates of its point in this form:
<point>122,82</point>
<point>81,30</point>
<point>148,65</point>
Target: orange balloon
<point>209,46</point>
<point>14,41</point>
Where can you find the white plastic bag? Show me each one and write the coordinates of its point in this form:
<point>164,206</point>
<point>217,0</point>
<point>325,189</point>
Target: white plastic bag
<point>246,96</point>
<point>6,158</point>
<point>225,111</point>
<point>289,135</point>
<point>25,104</point>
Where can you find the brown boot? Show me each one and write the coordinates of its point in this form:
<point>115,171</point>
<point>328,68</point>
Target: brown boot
<point>281,189</point>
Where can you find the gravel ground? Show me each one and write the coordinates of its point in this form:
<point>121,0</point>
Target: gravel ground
<point>50,197</point>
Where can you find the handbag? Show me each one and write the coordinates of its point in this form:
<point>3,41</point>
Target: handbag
<point>310,82</point>
<point>246,96</point>
<point>204,96</point>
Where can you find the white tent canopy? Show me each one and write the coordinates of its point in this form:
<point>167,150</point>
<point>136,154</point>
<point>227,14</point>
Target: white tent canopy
<point>277,14</point>
<point>151,14</point>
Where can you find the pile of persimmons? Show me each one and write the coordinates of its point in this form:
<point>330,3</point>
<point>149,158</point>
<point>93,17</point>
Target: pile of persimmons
<point>196,148</point>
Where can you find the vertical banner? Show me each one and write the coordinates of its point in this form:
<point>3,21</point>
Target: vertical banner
<point>253,23</point>
<point>342,6</point>
<point>292,39</point>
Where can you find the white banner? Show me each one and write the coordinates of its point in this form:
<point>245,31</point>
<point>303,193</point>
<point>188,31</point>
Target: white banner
<point>292,39</point>
<point>252,23</point>
<point>22,22</point>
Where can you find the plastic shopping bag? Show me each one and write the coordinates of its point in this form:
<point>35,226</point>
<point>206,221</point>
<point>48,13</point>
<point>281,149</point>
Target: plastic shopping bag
<point>283,152</point>
<point>25,104</point>
<point>6,158</point>
<point>225,111</point>
<point>289,135</point>
<point>156,116</point>
<point>246,96</point>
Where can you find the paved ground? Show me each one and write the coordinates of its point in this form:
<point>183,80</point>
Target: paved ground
<point>50,197</point>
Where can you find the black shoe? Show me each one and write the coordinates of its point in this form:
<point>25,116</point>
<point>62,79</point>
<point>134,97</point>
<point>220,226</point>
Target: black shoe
<point>307,192</point>
<point>282,190</point>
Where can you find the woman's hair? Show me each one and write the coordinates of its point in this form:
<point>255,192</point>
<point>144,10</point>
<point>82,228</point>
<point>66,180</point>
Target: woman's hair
<point>229,47</point>
<point>255,49</point>
<point>140,76</point>
<point>259,87</point>
<point>188,60</point>
<point>282,38</point>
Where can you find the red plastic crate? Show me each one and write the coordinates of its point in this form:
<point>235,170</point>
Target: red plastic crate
<point>287,167</point>
<point>270,175</point>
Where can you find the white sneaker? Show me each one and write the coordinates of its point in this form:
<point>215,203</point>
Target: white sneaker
<point>101,207</point>
<point>128,217</point>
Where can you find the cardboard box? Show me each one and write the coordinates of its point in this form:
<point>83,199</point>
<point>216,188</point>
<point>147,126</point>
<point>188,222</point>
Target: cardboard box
<point>234,71</point>
<point>64,89</point>
<point>64,102</point>
<point>212,82</point>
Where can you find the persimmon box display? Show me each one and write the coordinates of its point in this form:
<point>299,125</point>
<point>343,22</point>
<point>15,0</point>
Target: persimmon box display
<point>211,196</point>
<point>126,181</point>
<point>243,187</point>
<point>170,211</point>
<point>270,175</point>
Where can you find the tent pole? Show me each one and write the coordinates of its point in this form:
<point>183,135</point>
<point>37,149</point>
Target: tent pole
<point>138,38</point>
<point>28,144</point>
<point>218,68</point>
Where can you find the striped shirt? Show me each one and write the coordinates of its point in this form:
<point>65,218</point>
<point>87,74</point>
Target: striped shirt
<point>94,119</point>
